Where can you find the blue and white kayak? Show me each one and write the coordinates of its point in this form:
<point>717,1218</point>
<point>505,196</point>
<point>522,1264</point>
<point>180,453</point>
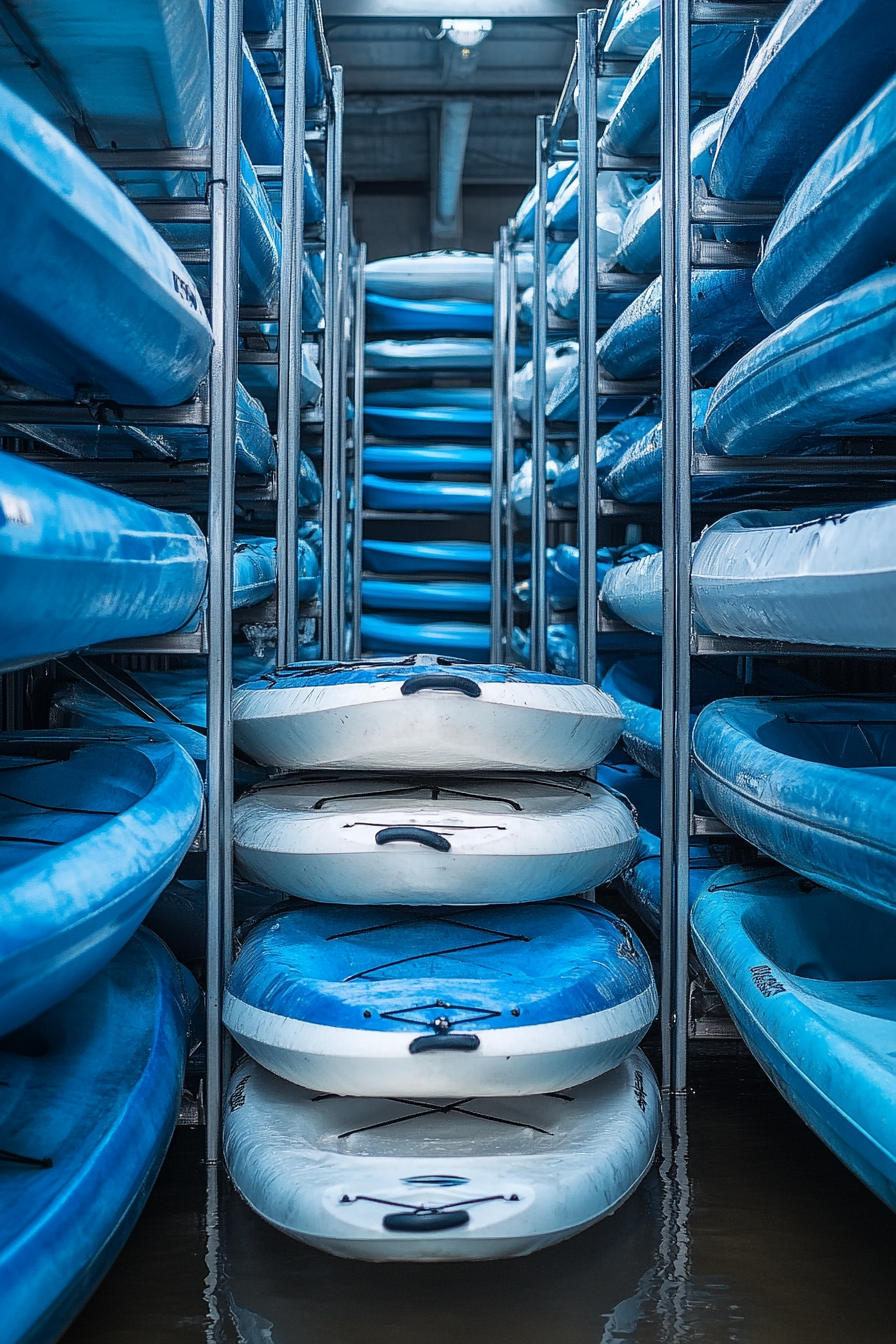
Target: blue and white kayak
<point>820,63</point>
<point>430,413</point>
<point>564,491</point>
<point>437,839</point>
<point>428,596</point>
<point>811,782</point>
<point>640,883</point>
<point>800,577</point>
<point>831,365</point>
<point>837,226</point>
<point>386,315</point>
<point>558,359</point>
<point>808,977</point>
<point>525,216</point>
<point>436,353</point>
<point>725,320</point>
<point>92,300</point>
<point>255,452</point>
<point>179,915</point>
<point>634,29</point>
<point>423,712</point>
<point>718,52</point>
<point>387,492</point>
<point>423,557</point>
<point>81,565</point>
<point>433,275</point>
<point>563,291</point>
<point>424,459</point>
<point>634,685</point>
<point>397,634</point>
<point>89,1103</point>
<point>531,998</point>
<point>499,1177</point>
<point>639,239</point>
<point>93,826</point>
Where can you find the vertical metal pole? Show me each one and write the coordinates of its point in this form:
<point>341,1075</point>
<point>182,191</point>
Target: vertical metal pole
<point>538,630</point>
<point>499,409</point>
<point>676,513</point>
<point>588,25</point>
<point>341,443</point>
<point>289,360</point>
<point>509,438</point>
<point>330,553</point>
<point>358,440</point>
<point>224,203</point>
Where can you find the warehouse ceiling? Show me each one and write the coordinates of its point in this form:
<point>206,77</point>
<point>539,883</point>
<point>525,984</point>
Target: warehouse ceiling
<point>440,129</point>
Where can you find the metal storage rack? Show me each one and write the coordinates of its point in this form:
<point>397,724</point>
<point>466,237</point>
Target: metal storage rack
<point>211,489</point>
<point>685,206</point>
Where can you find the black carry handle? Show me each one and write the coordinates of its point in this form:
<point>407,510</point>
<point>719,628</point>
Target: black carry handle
<point>441,681</point>
<point>444,1041</point>
<point>389,835</point>
<point>428,1220</point>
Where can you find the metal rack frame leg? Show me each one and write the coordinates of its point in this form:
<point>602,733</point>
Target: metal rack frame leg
<point>499,410</point>
<point>538,632</point>
<point>509,443</point>
<point>358,339</point>
<point>330,553</point>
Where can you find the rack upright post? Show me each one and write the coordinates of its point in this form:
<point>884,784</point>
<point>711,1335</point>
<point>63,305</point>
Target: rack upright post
<point>509,444</point>
<point>331,549</point>
<point>538,656</point>
<point>499,356</point>
<point>358,341</point>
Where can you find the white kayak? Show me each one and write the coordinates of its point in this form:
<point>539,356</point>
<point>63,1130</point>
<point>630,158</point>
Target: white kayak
<point>433,275</point>
<point>422,712</point>
<point>383,1179</point>
<point>800,576</point>
<point>511,1000</point>
<point>444,840</point>
<point>438,352</point>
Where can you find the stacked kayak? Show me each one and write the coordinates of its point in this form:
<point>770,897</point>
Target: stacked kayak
<point>435,353</point>
<point>807,975</point>
<point>426,413</point>
<point>435,950</point>
<point>91,1095</point>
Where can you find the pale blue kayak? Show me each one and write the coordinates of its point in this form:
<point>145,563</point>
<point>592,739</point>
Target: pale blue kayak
<point>421,413</point>
<point>430,596</point>
<point>92,300</point>
<point>407,634</point>
<point>93,824</point>
<point>807,975</point>
<point>820,63</point>
<point>387,492</point>
<point>90,1099</point>
<point>422,557</point>
<point>564,491</point>
<point>435,353</point>
<point>809,781</point>
<point>391,316</point>
<point>81,565</point>
<point>837,226</point>
<point>419,459</point>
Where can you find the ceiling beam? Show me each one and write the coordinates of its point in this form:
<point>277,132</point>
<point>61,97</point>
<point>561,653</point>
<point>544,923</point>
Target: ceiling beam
<point>450,9</point>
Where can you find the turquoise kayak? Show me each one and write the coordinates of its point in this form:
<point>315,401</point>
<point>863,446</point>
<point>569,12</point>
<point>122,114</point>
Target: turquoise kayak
<point>90,1099</point>
<point>811,782</point>
<point>807,975</point>
<point>837,226</point>
<point>821,374</point>
<point>820,63</point>
<point>82,565</point>
<point>93,302</point>
<point>387,492</point>
<point>93,826</point>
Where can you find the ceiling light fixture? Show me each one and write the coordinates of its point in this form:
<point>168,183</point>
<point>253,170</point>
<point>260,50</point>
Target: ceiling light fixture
<point>466,32</point>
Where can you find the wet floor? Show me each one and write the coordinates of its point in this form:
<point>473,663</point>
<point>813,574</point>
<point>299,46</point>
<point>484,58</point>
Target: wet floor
<point>748,1230</point>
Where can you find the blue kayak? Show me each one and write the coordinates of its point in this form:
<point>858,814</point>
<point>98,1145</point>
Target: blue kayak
<point>430,413</point>
<point>255,452</point>
<point>93,826</point>
<point>837,226</point>
<point>563,647</point>
<point>262,381</point>
<point>90,1099</point>
<point>562,571</point>
<point>436,353</point>
<point>179,915</point>
<point>822,60</point>
<point>383,492</point>
<point>811,782</point>
<point>528,998</point>
<point>718,52</point>
<point>640,884</point>
<point>634,28</point>
<point>260,130</point>
<point>387,315</point>
<point>725,320</point>
<point>639,238</point>
<point>92,300</point>
<point>563,291</point>
<point>808,977</point>
<point>254,570</point>
<point>819,374</point>
<point>81,565</point>
<point>437,595</point>
<point>564,491</point>
<point>425,557</point>
<point>423,459</point>
<point>635,686</point>
<point>636,475</point>
<point>525,215</point>
<point>405,634</point>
